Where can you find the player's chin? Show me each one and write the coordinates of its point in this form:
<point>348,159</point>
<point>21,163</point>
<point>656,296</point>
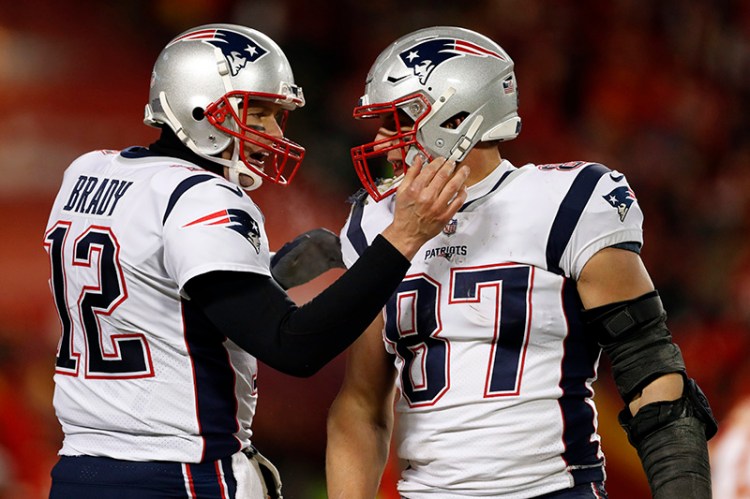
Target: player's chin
<point>246,181</point>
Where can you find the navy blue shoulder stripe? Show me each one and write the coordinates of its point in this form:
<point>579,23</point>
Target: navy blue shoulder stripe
<point>570,212</point>
<point>135,152</point>
<point>182,188</point>
<point>354,232</point>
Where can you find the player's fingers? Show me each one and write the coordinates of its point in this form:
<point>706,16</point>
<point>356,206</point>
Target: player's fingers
<point>412,173</point>
<point>439,183</point>
<point>433,176</point>
<point>453,194</point>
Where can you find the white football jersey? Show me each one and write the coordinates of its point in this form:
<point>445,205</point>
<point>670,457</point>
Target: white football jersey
<point>140,375</point>
<point>495,372</point>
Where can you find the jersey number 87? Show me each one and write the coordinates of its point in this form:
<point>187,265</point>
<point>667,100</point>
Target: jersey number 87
<point>413,325</point>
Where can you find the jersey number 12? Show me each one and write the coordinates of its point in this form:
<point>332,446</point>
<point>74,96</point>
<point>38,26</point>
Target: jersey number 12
<point>96,247</point>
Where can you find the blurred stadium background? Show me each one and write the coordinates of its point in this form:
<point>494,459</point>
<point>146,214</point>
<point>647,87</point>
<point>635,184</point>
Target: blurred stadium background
<point>658,90</point>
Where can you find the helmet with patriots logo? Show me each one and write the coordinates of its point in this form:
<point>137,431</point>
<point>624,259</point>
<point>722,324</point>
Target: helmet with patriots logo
<point>455,86</point>
<point>201,85</point>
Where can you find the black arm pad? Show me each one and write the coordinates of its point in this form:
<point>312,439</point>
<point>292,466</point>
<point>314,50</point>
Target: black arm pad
<point>306,257</point>
<point>670,438</point>
<point>634,335</point>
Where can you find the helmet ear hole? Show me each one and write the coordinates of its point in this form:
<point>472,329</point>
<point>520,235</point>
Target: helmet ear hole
<point>199,113</point>
<point>454,121</point>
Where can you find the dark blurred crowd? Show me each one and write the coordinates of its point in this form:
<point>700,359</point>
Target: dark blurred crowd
<point>659,90</point>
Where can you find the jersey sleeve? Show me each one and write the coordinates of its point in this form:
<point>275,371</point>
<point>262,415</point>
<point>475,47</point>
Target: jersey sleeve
<point>612,216</point>
<point>211,225</point>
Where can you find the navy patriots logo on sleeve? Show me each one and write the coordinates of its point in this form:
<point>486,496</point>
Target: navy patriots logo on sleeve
<point>621,198</point>
<point>237,220</point>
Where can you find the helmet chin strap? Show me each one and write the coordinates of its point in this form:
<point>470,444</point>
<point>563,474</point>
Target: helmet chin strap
<point>236,168</point>
<point>176,125</point>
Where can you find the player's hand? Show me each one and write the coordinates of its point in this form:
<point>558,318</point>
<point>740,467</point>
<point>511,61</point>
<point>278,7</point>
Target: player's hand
<point>306,257</point>
<point>426,200</point>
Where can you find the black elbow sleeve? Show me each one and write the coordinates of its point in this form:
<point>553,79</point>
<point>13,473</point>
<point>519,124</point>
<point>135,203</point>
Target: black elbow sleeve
<point>635,337</point>
<point>670,436</point>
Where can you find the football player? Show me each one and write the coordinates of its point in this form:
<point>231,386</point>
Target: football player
<point>160,272</point>
<point>491,343</point>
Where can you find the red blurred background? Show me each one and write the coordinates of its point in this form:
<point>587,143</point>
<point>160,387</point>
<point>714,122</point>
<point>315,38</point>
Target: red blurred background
<point>658,90</point>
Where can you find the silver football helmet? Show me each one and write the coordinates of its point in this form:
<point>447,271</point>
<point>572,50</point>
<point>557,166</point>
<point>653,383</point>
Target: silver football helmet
<point>200,88</point>
<point>444,89</point>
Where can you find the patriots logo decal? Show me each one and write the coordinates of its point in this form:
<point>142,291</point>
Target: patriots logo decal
<point>238,49</point>
<point>621,198</point>
<point>424,57</point>
<point>237,220</point>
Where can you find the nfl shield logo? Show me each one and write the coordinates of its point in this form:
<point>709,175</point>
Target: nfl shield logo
<point>450,227</point>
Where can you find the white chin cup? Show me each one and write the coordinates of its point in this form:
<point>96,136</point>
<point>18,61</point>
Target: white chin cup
<point>236,169</point>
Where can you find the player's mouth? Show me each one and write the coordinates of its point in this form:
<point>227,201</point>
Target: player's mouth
<point>258,158</point>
